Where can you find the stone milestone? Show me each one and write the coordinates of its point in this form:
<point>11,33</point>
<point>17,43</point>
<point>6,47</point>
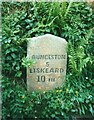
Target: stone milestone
<point>49,54</point>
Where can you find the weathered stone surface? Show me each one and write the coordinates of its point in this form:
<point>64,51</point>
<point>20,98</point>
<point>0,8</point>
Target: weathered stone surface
<point>49,53</point>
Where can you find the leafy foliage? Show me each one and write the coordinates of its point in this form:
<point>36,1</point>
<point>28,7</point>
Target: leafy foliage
<point>57,103</point>
<point>72,21</point>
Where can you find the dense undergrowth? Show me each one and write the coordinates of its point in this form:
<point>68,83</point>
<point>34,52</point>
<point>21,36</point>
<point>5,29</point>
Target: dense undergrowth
<point>72,21</point>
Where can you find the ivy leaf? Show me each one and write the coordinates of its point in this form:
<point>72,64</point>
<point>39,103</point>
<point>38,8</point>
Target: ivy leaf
<point>13,55</point>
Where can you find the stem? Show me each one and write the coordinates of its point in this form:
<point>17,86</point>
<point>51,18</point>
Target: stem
<point>68,8</point>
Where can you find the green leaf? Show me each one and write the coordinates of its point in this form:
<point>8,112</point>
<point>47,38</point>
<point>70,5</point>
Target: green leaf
<point>53,115</point>
<point>7,51</point>
<point>13,55</point>
<point>18,74</point>
<point>91,109</point>
<point>83,110</point>
<point>28,21</point>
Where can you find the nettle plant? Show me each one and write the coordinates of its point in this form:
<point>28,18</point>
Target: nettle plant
<point>72,21</point>
<point>27,62</point>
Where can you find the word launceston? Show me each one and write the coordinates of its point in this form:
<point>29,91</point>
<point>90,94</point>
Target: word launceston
<point>48,57</point>
<point>46,70</point>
